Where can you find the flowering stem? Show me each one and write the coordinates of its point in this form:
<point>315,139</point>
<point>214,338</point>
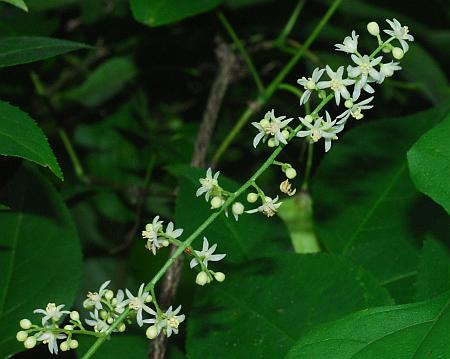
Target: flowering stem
<point>380,47</point>
<point>273,86</point>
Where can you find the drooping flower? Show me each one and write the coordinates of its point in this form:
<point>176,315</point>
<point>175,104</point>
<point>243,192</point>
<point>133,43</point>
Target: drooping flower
<point>99,324</point>
<point>94,299</point>
<point>206,254</point>
<point>270,126</point>
<point>363,73</point>
<point>401,33</point>
<point>354,109</point>
<point>337,83</point>
<point>310,84</point>
<point>171,321</point>
<point>388,69</point>
<point>51,339</point>
<point>172,232</point>
<point>151,233</point>
<point>208,184</point>
<point>350,44</point>
<point>51,312</point>
<point>138,303</point>
<point>269,207</point>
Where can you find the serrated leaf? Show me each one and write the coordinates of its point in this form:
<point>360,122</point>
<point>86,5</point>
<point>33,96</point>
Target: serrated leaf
<point>162,12</point>
<point>21,137</point>
<point>17,3</point>
<point>412,331</point>
<point>106,81</point>
<point>429,163</point>
<point>265,305</point>
<point>40,256</point>
<point>365,203</point>
<point>16,50</point>
<point>434,270</point>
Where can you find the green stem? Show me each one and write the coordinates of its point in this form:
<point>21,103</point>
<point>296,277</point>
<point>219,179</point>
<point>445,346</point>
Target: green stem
<point>268,92</point>
<point>291,22</point>
<point>308,166</point>
<point>242,50</point>
<point>380,47</point>
<point>78,168</point>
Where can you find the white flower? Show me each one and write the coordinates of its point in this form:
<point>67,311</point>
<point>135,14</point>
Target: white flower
<point>99,324</point>
<point>94,299</point>
<point>52,312</point>
<point>269,207</point>
<point>171,321</point>
<point>173,233</point>
<point>354,109</point>
<point>365,71</point>
<point>271,126</point>
<point>401,33</point>
<point>151,234</point>
<point>387,70</point>
<point>50,338</point>
<point>337,84</point>
<point>310,84</point>
<point>208,184</point>
<point>237,209</point>
<point>206,254</point>
<point>321,129</point>
<point>118,300</point>
<point>137,303</point>
<point>350,44</point>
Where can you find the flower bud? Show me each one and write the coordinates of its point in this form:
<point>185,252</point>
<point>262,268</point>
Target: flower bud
<point>68,327</point>
<point>216,202</point>
<point>73,344</point>
<point>30,343</point>
<point>202,278</point>
<point>103,314</point>
<point>74,315</point>
<point>21,336</point>
<point>148,299</point>
<point>109,294</point>
<point>285,134</point>
<point>219,276</point>
<point>310,85</point>
<point>152,332</point>
<point>291,173</point>
<point>348,103</point>
<point>252,197</point>
<point>25,324</point>
<point>264,122</point>
<point>271,142</point>
<point>165,243</point>
<point>64,346</point>
<point>237,208</point>
<point>110,320</point>
<point>387,48</point>
<point>397,53</point>
<point>308,118</point>
<point>121,327</point>
<point>373,28</point>
<point>87,304</point>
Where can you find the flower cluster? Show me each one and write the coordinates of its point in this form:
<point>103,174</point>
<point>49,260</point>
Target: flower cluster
<point>104,307</point>
<point>156,236</point>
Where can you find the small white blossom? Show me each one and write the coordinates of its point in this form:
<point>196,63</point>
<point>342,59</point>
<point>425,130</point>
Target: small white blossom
<point>269,207</point>
<point>118,301</point>
<point>350,44</point>
<point>401,33</point>
<point>151,233</point>
<point>51,339</point>
<point>206,254</point>
<point>310,84</point>
<point>354,110</point>
<point>51,312</point>
<point>94,299</point>
<point>99,324</point>
<point>387,70</point>
<point>271,126</point>
<point>337,83</point>
<point>321,129</point>
<point>365,72</point>
<point>173,233</point>
<point>171,321</point>
<point>137,303</point>
<point>208,184</point>
<point>237,209</point>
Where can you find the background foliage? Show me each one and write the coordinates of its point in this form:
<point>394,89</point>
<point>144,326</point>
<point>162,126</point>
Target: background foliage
<point>109,96</point>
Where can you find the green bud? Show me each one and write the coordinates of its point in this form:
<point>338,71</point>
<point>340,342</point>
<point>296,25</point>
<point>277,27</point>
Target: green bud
<point>21,336</point>
<point>73,344</point>
<point>219,276</point>
<point>397,53</point>
<point>373,28</point>
<point>25,324</point>
<point>252,197</point>
<point>291,173</point>
<point>30,343</point>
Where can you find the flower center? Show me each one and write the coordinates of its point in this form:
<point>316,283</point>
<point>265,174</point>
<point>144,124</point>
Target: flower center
<point>365,67</point>
<point>173,322</point>
<point>208,183</point>
<point>356,113</point>
<point>310,85</point>
<point>135,304</point>
<point>335,84</point>
<point>272,128</point>
<point>93,296</point>
<point>315,135</point>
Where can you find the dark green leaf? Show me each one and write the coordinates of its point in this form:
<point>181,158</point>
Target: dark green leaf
<point>413,331</point>
<point>365,204</point>
<point>162,12</point>
<point>265,305</point>
<point>18,3</point>
<point>16,50</point>
<point>21,137</point>
<point>429,163</point>
<point>40,260</point>
<point>434,270</point>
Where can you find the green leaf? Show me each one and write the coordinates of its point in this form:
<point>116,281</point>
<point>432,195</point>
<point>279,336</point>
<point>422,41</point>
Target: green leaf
<point>365,204</point>
<point>21,137</point>
<point>162,12</point>
<point>16,50</point>
<point>265,305</point>
<point>18,3</point>
<point>434,270</point>
<point>252,236</point>
<point>412,331</point>
<point>40,256</point>
<point>105,82</point>
<point>429,163</point>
